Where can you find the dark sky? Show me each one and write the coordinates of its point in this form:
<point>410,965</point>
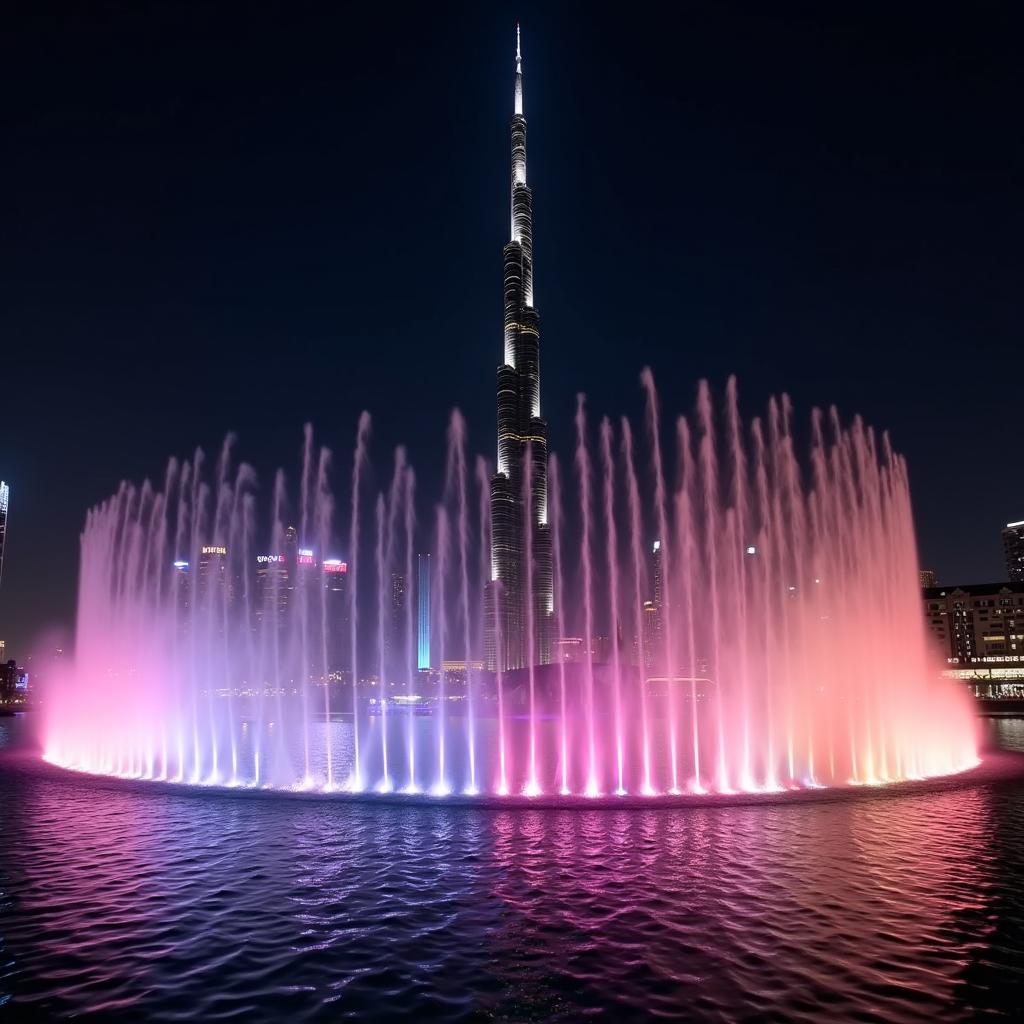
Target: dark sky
<point>248,216</point>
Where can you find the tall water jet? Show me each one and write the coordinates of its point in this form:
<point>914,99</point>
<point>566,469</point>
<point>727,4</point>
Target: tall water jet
<point>359,458</point>
<point>559,589</point>
<point>382,590</point>
<point>322,527</point>
<point>709,477</point>
<point>532,787</point>
<point>636,549</point>
<point>409,522</point>
<point>457,481</point>
<point>612,556</point>
<point>593,784</point>
<point>442,786</point>
<point>686,547</point>
<point>667,652</point>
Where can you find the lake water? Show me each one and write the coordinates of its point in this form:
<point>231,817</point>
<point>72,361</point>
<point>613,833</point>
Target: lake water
<point>128,904</point>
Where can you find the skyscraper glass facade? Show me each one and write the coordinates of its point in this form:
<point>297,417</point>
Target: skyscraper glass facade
<point>519,597</point>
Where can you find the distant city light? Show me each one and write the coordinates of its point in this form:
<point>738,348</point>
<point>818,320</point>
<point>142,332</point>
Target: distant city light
<point>181,565</point>
<point>214,549</point>
<point>751,550</point>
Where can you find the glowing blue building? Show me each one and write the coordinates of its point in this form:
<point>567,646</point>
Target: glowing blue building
<point>423,611</point>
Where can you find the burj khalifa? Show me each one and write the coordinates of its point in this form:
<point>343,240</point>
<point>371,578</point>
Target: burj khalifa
<point>519,597</point>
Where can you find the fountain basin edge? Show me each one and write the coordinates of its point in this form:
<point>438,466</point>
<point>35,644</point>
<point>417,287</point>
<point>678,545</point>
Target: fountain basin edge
<point>993,767</point>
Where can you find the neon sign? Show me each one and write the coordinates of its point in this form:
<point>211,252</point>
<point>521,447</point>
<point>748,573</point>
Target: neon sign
<point>214,549</point>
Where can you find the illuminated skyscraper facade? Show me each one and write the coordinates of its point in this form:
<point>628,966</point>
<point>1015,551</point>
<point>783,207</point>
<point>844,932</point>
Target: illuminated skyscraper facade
<point>423,612</point>
<point>1013,546</point>
<point>5,501</point>
<point>394,636</point>
<point>519,595</point>
<point>338,636</point>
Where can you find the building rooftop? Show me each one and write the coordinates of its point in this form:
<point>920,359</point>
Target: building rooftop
<point>975,589</point>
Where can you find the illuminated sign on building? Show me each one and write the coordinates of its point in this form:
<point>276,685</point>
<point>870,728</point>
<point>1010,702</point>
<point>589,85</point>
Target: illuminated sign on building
<point>335,565</point>
<point>214,549</point>
<point>270,558</point>
<point>180,565</point>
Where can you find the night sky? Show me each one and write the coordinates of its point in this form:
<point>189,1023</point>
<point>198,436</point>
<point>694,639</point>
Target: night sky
<point>243,217</point>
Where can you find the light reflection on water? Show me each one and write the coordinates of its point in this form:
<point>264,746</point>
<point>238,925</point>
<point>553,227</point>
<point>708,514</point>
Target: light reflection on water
<point>159,906</point>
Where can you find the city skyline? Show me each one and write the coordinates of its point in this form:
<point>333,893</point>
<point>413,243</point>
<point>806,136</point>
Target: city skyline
<point>215,253</point>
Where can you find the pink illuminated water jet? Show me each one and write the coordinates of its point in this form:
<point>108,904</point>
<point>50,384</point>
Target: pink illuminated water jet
<point>729,618</point>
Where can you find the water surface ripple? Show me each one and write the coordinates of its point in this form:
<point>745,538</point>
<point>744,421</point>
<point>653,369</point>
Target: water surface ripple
<point>119,903</point>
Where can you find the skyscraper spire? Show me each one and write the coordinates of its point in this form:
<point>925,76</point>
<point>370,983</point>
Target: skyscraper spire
<point>519,75</point>
<point>519,601</point>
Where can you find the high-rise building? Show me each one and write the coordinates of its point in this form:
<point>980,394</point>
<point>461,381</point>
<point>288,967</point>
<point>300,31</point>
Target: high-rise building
<point>8,681</point>
<point>423,612</point>
<point>395,635</point>
<point>212,584</point>
<point>654,625</point>
<point>650,634</point>
<point>1013,545</point>
<point>520,590</point>
<point>271,586</point>
<point>5,501</point>
<point>926,578</point>
<point>182,586</point>
<point>336,604</point>
<point>978,629</point>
